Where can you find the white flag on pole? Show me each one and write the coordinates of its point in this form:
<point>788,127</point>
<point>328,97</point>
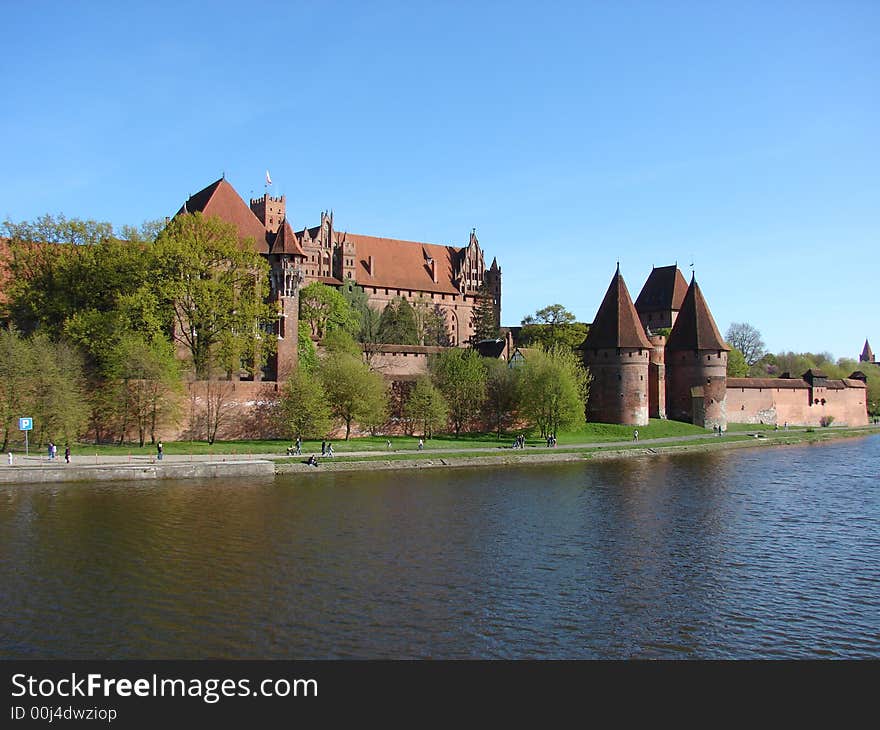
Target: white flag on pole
<point>268,179</point>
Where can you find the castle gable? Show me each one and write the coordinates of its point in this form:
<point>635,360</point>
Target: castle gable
<point>695,328</point>
<point>220,199</point>
<point>616,323</point>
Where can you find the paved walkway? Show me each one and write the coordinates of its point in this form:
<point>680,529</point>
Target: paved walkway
<point>84,460</point>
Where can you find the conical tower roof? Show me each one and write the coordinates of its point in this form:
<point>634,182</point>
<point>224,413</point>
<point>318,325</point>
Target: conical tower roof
<point>867,353</point>
<point>286,242</point>
<point>695,328</point>
<point>616,323</point>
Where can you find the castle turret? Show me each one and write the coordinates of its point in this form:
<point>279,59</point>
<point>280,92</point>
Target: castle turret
<point>493,284</point>
<point>286,258</point>
<point>696,365</point>
<point>867,353</point>
<point>271,211</point>
<point>617,353</point>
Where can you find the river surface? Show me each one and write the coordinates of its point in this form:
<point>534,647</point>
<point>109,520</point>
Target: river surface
<point>740,554</point>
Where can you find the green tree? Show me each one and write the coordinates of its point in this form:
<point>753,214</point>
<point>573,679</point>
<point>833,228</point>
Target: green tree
<point>15,382</point>
<point>737,367</point>
<point>461,377</point>
<point>303,409</point>
<point>551,326</point>
<point>426,407</point>
<point>307,355</point>
<point>554,388</point>
<point>397,325</point>
<point>502,396</point>
<point>483,318</point>
<point>326,309</point>
<point>56,402</point>
<point>354,393</point>
<point>216,289</point>
<point>431,327</point>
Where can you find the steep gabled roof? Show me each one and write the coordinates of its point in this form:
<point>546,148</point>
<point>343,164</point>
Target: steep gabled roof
<point>867,353</point>
<point>616,323</point>
<point>695,328</point>
<point>286,241</point>
<point>220,199</point>
<point>663,291</point>
<point>403,264</point>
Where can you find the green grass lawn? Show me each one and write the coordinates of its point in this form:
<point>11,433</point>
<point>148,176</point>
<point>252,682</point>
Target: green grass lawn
<point>589,433</point>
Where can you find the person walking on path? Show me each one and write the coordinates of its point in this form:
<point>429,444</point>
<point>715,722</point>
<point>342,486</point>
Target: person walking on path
<point>636,435</point>
<point>51,450</point>
<point>299,446</point>
<point>421,444</point>
<point>323,448</point>
<point>67,453</point>
<point>329,449</point>
<point>160,450</point>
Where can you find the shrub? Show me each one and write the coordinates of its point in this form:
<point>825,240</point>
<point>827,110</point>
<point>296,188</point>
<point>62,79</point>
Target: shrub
<point>826,421</point>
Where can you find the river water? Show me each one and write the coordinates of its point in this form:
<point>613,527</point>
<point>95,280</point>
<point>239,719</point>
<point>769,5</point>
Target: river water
<point>747,554</point>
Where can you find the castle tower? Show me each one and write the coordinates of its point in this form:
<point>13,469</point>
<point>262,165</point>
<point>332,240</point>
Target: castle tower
<point>286,258</point>
<point>657,377</point>
<point>271,211</point>
<point>867,353</point>
<point>660,299</point>
<point>696,365</point>
<point>617,353</point>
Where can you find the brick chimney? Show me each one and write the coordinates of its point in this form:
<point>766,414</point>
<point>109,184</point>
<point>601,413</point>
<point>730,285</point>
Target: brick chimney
<point>372,266</point>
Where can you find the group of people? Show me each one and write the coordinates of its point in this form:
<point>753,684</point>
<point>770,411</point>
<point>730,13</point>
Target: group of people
<point>551,441</point>
<point>520,442</point>
<point>719,431</point>
<point>53,452</point>
<point>326,448</point>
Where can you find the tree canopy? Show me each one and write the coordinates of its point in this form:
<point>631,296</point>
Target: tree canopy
<point>551,326</point>
<point>747,339</point>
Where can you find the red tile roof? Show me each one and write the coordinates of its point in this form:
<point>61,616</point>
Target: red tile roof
<point>766,383</point>
<point>695,328</point>
<point>616,323</point>
<point>220,199</point>
<point>403,264</point>
<point>663,291</point>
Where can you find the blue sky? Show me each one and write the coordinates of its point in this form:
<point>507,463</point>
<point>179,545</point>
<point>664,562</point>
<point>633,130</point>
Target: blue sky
<point>742,137</point>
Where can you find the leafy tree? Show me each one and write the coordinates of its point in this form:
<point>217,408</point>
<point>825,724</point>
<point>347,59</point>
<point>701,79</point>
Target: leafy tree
<point>15,381</point>
<point>397,325</point>
<point>483,318</point>
<point>56,400</point>
<point>340,342</point>
<point>431,327</point>
<point>554,388</point>
<point>354,393</point>
<point>747,339</point>
<point>426,407</point>
<point>368,318</point>
<point>502,395</point>
<point>307,355</point>
<point>461,377</point>
<point>737,367</point>
<point>60,267</point>
<point>303,409</point>
<point>551,326</point>
<point>326,309</point>
<point>216,289</point>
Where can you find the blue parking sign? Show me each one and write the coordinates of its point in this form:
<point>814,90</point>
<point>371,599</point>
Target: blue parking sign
<point>25,424</point>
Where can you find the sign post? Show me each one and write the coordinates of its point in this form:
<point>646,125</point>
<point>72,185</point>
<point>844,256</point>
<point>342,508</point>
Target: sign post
<point>25,424</point>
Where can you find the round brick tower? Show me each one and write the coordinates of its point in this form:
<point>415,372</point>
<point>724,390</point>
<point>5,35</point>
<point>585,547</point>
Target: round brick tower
<point>696,365</point>
<point>617,352</point>
<point>657,377</point>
